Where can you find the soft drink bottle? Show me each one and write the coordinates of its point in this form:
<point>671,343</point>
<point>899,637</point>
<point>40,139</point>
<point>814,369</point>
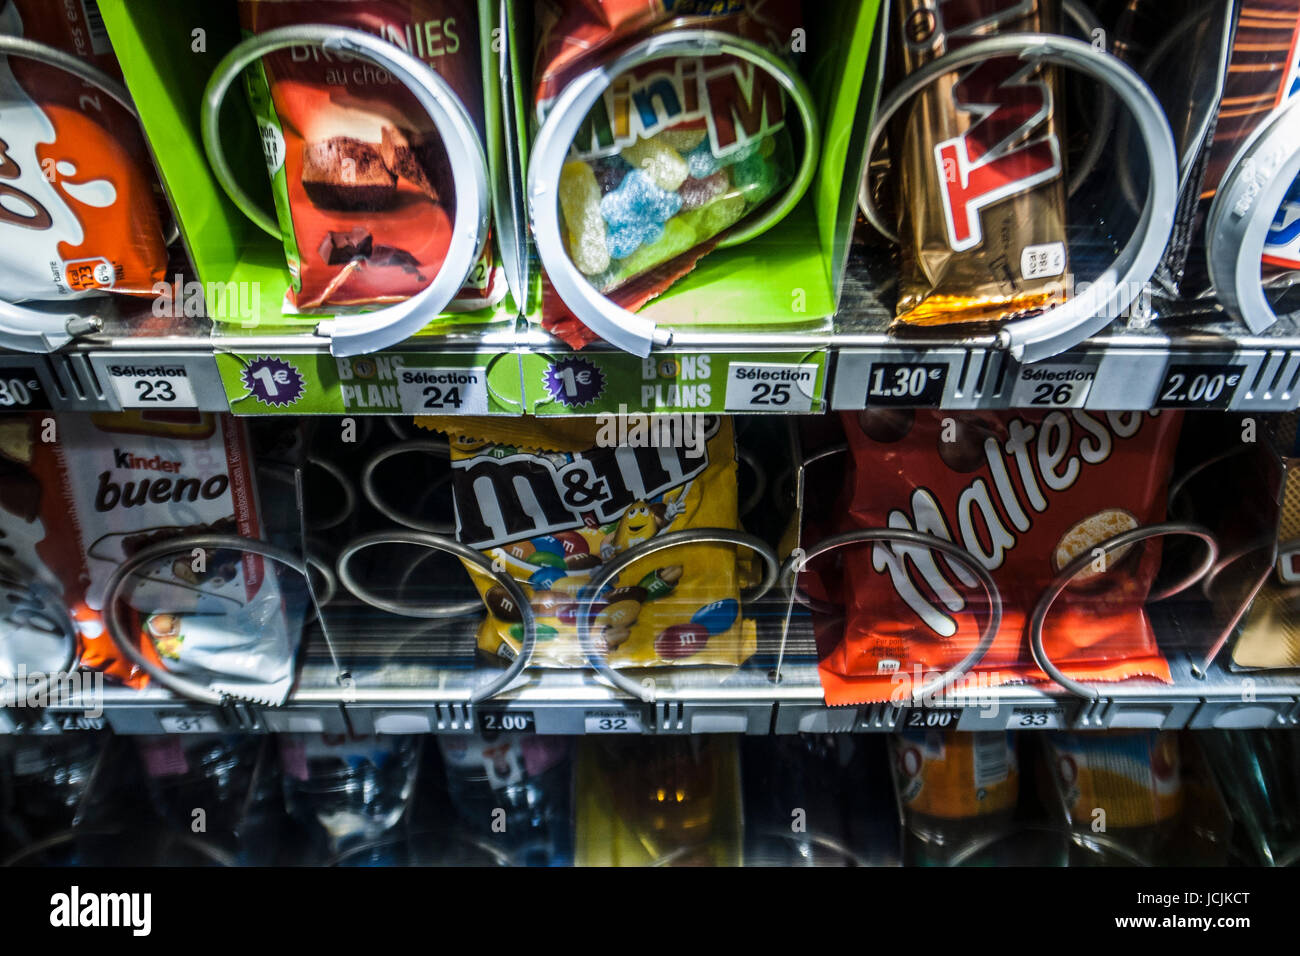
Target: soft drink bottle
<point>515,789</point>
<point>351,790</point>
<point>955,790</point>
<point>213,791</point>
<point>1122,792</point>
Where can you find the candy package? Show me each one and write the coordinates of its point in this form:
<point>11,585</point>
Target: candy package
<point>1024,494</point>
<point>1258,72</point>
<point>677,151</point>
<point>85,492</point>
<point>78,211</point>
<point>552,504</point>
<point>978,167</point>
<point>362,185</point>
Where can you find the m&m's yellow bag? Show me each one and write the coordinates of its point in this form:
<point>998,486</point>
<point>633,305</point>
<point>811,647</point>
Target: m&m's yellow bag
<point>553,502</point>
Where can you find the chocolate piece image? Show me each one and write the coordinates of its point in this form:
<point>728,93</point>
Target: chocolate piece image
<point>410,156</point>
<point>338,248</point>
<point>1085,535</point>
<point>347,174</point>
<point>501,604</point>
<point>886,424</point>
<point>20,494</point>
<point>16,440</point>
<point>965,452</point>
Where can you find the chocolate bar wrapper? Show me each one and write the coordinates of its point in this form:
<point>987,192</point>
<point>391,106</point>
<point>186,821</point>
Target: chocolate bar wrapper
<point>78,210</point>
<point>117,483</point>
<point>1024,493</point>
<point>361,179</point>
<point>1262,72</point>
<point>982,195</point>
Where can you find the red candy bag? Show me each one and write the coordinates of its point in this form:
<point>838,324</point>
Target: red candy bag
<point>78,213</point>
<point>1025,493</point>
<point>360,175</point>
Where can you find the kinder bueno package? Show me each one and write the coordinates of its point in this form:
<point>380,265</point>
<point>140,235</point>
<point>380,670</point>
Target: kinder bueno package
<point>78,212</point>
<point>360,174</point>
<point>81,494</point>
<point>981,203</point>
<point>676,152</point>
<point>552,504</point>
<point>1024,494</point>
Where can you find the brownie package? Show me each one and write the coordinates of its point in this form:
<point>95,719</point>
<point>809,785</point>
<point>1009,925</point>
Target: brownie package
<point>362,184</point>
<point>78,210</point>
<point>82,493</point>
<point>1024,493</point>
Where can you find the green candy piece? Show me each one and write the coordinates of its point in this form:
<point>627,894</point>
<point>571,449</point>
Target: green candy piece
<point>711,218</point>
<point>755,178</point>
<point>544,632</point>
<point>547,560</point>
<point>655,586</point>
<point>676,239</point>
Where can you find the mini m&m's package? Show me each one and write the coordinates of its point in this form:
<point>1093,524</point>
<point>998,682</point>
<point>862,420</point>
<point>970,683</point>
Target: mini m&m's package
<point>676,153</point>
<point>551,505</point>
<point>78,211</point>
<point>1024,494</point>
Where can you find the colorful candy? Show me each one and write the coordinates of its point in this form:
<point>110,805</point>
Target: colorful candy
<point>546,559</point>
<point>609,171</point>
<point>636,212</point>
<point>551,544</point>
<point>683,140</point>
<point>660,581</point>
<point>572,543</point>
<point>677,237</point>
<point>544,632</point>
<point>697,192</point>
<point>659,161</point>
<point>681,640</point>
<point>755,177</point>
<point>520,550</point>
<point>718,616</point>
<point>613,636</point>
<point>580,198</point>
<point>546,577</point>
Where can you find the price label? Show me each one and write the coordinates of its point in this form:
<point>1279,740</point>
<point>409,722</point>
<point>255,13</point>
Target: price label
<point>1199,386</point>
<point>770,387</point>
<point>611,722</point>
<point>189,724</point>
<point>144,385</point>
<point>1037,718</point>
<point>907,384</point>
<point>506,722</point>
<point>924,718</point>
<point>445,391</point>
<point>20,388</point>
<point>1052,385</point>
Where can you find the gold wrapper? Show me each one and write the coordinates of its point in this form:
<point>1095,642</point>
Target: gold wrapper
<point>981,169</point>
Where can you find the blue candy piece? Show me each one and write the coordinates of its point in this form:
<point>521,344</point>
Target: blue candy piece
<point>637,198</point>
<point>701,161</point>
<point>622,241</point>
<point>543,578</point>
<point>550,544</point>
<point>718,616</point>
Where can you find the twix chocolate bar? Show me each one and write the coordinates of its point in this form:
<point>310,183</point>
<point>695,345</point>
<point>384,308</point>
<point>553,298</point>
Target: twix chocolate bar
<point>982,204</point>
